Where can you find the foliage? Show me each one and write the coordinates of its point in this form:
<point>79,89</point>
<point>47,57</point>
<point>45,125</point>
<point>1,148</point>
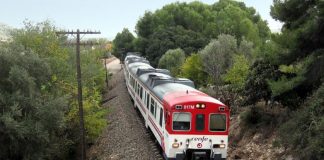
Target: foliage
<point>192,69</point>
<point>301,42</point>
<point>172,60</point>
<point>52,90</point>
<point>190,26</point>
<point>256,86</point>
<point>237,74</point>
<point>217,56</point>
<point>123,43</point>
<point>31,118</point>
<point>171,38</point>
<point>304,131</point>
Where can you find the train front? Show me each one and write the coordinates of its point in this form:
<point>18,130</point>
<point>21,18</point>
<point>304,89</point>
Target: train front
<point>197,126</point>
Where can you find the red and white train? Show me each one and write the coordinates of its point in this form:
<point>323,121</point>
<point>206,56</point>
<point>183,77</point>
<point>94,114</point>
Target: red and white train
<point>187,123</point>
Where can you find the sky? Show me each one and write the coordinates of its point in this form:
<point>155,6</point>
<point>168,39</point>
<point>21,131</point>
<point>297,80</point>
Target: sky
<point>107,16</point>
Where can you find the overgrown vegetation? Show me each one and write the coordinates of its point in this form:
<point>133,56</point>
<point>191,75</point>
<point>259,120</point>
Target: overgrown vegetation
<point>304,131</point>
<point>172,60</point>
<point>38,95</point>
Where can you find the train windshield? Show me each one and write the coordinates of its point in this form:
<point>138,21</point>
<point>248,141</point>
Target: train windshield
<point>181,121</point>
<point>217,122</point>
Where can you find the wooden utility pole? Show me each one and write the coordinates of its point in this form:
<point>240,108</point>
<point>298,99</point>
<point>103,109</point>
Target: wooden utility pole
<point>106,72</point>
<point>78,67</point>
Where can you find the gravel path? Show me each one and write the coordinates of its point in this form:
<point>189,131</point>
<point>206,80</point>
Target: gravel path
<point>125,136</point>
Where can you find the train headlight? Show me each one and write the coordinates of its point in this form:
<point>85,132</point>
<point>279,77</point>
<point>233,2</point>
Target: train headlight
<point>200,106</point>
<point>219,146</point>
<point>222,146</point>
<point>175,145</point>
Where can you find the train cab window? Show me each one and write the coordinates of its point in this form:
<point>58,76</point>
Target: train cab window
<point>181,121</point>
<point>200,122</point>
<point>152,106</point>
<point>217,122</point>
<point>161,116</point>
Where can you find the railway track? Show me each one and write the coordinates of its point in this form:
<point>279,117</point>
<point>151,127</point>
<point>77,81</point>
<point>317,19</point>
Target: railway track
<point>151,139</point>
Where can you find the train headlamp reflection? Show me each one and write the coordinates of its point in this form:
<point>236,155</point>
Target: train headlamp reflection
<point>187,142</point>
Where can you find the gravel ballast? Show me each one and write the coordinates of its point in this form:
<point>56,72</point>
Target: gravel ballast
<point>125,136</point>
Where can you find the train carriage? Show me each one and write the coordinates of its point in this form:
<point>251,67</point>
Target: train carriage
<point>187,123</point>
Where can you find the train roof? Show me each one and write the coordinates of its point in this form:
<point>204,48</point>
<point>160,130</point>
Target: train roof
<point>185,96</point>
<point>163,89</point>
<point>144,77</point>
<point>133,67</point>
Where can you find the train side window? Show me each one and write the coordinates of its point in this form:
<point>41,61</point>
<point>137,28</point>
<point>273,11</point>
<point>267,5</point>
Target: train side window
<point>142,93</point>
<point>137,88</point>
<point>131,79</point>
<point>152,106</point>
<point>155,108</point>
<point>200,122</point>
<point>147,101</point>
<point>144,97</point>
<point>133,83</point>
<point>181,121</point>
<point>161,116</point>
<point>217,122</point>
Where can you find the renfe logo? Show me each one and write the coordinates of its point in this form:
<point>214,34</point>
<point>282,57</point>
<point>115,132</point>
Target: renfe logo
<point>202,139</point>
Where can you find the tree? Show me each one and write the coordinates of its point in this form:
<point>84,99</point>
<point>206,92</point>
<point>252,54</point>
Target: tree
<point>237,74</point>
<point>217,56</point>
<point>52,76</point>
<point>302,42</point>
<point>32,118</point>
<point>192,69</point>
<point>256,87</point>
<point>191,26</point>
<point>172,60</point>
<point>170,38</point>
<point>123,43</point>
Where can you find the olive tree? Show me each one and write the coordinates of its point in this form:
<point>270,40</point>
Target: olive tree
<point>217,56</point>
<point>173,60</point>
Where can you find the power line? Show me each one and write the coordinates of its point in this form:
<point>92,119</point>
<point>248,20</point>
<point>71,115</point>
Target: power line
<point>78,67</point>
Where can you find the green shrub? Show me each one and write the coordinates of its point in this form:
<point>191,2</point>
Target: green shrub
<point>251,116</point>
<point>256,116</point>
<point>304,131</point>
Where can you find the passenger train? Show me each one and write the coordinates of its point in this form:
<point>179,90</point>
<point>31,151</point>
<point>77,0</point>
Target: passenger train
<point>187,123</point>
